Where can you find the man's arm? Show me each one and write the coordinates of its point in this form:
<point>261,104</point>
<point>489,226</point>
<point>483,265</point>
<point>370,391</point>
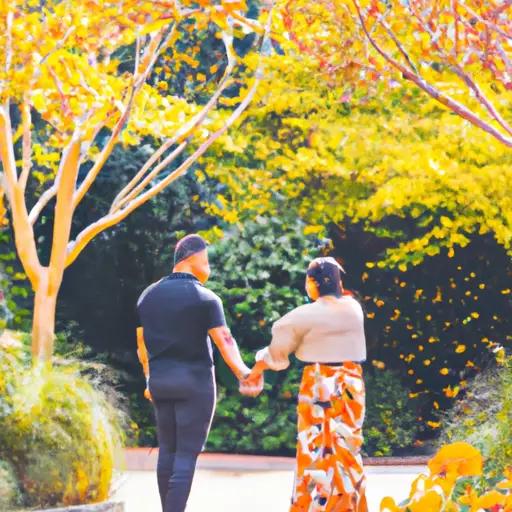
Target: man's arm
<point>143,358</point>
<point>229,350</point>
<point>142,352</point>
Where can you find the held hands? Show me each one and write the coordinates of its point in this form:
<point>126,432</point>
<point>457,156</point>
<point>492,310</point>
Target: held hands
<point>252,385</point>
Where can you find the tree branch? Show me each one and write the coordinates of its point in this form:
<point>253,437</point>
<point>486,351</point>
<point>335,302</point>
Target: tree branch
<point>399,45</point>
<point>23,232</point>
<point>498,10</point>
<point>70,164</point>
<point>452,104</point>
<point>182,133</point>
<point>111,219</point>
<point>27,143</point>
<point>149,57</point>
<point>487,23</point>
<point>504,57</point>
<point>459,71</point>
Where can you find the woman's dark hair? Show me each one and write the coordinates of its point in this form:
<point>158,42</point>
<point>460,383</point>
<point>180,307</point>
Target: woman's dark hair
<point>326,275</point>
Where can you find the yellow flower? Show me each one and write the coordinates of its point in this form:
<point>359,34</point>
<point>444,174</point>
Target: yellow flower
<point>484,502</point>
<point>388,505</point>
<point>489,500</point>
<point>431,501</point>
<point>459,459</point>
<point>507,483</point>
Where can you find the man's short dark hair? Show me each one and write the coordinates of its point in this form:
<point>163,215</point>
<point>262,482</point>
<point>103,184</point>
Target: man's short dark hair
<point>188,246</point>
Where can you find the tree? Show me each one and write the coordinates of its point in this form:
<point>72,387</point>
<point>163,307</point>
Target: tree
<point>458,52</point>
<point>64,65</point>
<point>403,166</point>
<point>419,212</point>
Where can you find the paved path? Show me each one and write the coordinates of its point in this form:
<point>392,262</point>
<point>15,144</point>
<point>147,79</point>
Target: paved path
<point>256,491</point>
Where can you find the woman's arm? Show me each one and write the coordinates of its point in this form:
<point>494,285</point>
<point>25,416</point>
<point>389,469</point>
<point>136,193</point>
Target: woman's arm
<point>258,369</point>
<point>286,337</point>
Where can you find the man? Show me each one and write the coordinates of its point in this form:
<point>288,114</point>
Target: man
<point>178,316</point>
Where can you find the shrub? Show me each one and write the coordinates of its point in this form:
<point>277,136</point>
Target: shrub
<point>484,417</point>
<point>267,424</point>
<point>60,431</point>
<point>9,491</point>
<point>391,422</point>
<point>453,464</point>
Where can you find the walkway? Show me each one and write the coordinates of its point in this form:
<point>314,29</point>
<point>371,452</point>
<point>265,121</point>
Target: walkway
<point>254,491</point>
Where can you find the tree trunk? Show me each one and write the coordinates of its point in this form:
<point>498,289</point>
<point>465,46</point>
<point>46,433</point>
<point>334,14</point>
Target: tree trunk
<point>43,329</point>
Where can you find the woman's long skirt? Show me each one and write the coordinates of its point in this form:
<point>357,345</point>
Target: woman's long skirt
<point>329,470</point>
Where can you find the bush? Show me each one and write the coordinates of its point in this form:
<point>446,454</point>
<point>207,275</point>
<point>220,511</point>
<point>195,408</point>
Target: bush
<point>457,465</point>
<point>60,432</point>
<point>9,491</point>
<point>267,424</point>
<point>391,422</point>
<point>484,418</point>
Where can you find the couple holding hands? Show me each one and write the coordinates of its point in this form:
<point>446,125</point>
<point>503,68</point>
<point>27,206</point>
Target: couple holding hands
<point>178,319</point>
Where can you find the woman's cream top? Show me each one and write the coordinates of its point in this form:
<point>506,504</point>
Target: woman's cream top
<point>321,332</point>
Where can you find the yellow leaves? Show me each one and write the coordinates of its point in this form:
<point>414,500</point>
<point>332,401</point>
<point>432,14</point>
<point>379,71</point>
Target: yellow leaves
<point>396,316</point>
<point>312,230</point>
<point>451,393</point>
<point>379,364</point>
<point>219,17</point>
<point>460,349</point>
<point>444,371</point>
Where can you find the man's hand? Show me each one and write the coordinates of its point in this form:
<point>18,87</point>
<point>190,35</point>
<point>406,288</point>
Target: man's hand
<point>147,394</point>
<point>252,386</point>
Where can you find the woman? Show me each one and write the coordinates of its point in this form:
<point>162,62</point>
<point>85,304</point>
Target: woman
<point>327,337</point>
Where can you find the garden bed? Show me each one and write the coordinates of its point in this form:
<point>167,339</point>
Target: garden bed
<point>110,506</point>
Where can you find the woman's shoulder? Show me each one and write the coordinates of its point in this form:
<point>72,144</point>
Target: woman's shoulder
<point>295,314</point>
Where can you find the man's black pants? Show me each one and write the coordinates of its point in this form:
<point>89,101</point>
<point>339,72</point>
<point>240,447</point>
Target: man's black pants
<point>184,401</point>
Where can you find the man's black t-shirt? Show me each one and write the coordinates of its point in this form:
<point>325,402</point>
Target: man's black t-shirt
<point>176,314</point>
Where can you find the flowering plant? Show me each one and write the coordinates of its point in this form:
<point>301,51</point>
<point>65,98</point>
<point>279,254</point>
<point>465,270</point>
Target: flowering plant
<point>436,492</point>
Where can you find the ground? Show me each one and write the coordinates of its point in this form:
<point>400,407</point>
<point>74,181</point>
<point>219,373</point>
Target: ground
<point>253,491</point>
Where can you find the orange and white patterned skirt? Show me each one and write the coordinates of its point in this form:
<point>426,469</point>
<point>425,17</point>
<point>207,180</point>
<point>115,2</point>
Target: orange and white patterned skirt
<point>329,469</point>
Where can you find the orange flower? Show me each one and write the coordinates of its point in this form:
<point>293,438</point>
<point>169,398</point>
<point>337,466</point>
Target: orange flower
<point>459,459</point>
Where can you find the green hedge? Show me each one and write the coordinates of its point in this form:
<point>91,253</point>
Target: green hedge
<point>267,424</point>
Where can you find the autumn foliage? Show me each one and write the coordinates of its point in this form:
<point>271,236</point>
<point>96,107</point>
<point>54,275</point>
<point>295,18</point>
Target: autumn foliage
<point>457,52</point>
<point>91,75</point>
